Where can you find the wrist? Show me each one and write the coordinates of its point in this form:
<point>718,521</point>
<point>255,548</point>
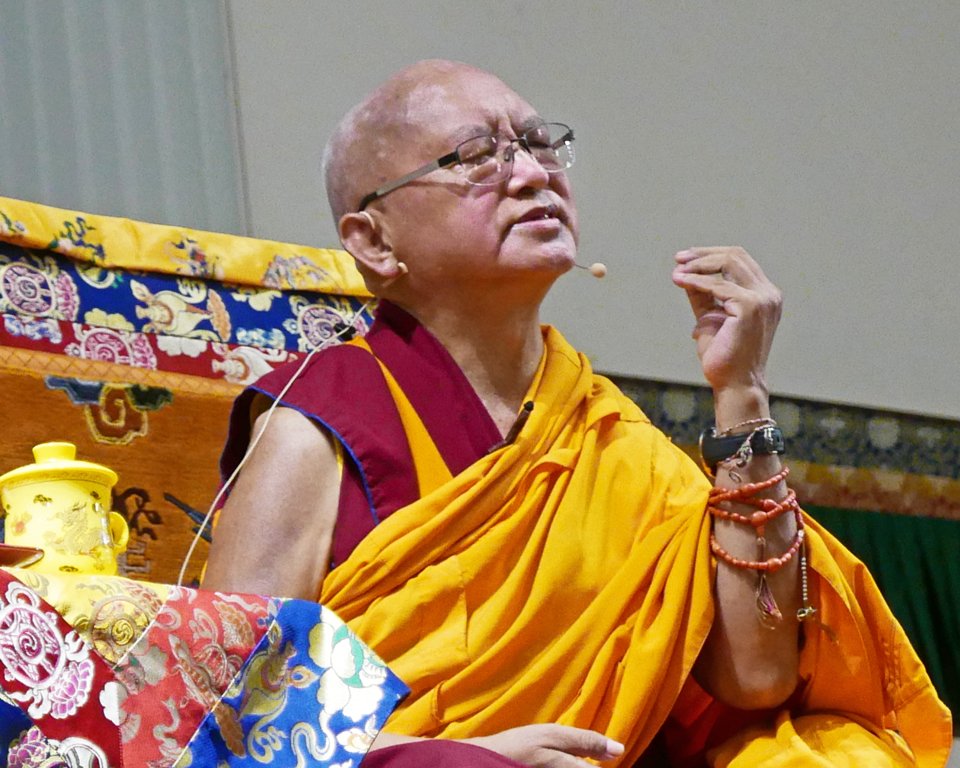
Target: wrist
<point>737,404</point>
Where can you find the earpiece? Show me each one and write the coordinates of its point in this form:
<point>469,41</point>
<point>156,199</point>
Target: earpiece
<point>596,269</point>
<point>401,271</point>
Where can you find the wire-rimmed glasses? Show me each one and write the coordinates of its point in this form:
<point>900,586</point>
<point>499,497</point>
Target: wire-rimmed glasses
<point>487,160</point>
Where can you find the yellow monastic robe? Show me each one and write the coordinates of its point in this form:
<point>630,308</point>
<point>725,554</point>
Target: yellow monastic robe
<point>568,578</point>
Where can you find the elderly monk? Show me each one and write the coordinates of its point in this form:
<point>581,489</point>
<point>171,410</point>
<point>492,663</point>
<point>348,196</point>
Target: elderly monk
<point>553,579</point>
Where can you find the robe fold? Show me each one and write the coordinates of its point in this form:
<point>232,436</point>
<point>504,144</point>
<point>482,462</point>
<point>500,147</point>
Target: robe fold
<point>567,577</point>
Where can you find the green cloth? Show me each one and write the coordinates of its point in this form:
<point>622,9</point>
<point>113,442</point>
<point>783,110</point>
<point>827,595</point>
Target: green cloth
<point>916,562</point>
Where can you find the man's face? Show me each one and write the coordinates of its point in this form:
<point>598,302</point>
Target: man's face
<point>448,229</point>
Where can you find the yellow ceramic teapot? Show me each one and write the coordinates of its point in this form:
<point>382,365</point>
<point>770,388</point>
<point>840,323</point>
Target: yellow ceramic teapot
<point>62,506</point>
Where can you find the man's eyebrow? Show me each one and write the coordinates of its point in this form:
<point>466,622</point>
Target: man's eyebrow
<point>465,132</point>
<point>531,122</point>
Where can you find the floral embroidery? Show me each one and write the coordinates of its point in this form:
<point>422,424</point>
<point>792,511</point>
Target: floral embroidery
<point>353,676</point>
<point>59,305</point>
<point>318,323</point>
<point>112,346</point>
<point>37,287</point>
<point>55,669</point>
<point>255,681</point>
<point>32,750</point>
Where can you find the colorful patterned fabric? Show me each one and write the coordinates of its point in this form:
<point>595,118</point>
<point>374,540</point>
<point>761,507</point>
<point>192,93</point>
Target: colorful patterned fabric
<point>131,341</point>
<point>126,673</point>
<point>840,456</point>
<point>157,321</point>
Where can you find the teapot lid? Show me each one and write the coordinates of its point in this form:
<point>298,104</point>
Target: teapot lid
<point>57,461</point>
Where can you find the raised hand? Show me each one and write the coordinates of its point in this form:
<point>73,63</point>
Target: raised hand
<point>737,310</point>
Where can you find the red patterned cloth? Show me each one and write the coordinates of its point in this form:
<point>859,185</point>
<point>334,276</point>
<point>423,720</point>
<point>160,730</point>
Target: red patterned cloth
<point>123,673</point>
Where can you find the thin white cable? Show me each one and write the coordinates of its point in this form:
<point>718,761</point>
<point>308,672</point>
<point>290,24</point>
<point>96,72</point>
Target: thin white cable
<point>269,414</point>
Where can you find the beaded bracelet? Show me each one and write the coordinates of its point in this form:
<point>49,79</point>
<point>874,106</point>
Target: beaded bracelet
<point>748,490</point>
<point>767,510</point>
<point>770,565</point>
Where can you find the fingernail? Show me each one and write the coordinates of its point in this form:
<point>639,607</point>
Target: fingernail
<point>614,748</point>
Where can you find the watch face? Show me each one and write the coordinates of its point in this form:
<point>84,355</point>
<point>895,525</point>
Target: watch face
<point>768,440</point>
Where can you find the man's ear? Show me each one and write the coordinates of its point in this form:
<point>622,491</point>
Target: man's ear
<point>363,236</point>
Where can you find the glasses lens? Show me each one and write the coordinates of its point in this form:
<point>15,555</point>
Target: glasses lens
<point>552,145</point>
<point>481,162</point>
<point>489,159</point>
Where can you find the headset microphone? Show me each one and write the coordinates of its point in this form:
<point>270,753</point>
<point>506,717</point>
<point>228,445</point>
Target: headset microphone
<point>596,269</point>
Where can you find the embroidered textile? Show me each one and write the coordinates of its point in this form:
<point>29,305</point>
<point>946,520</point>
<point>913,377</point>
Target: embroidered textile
<point>132,674</point>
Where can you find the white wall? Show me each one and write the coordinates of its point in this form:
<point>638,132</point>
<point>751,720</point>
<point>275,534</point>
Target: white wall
<point>821,135</point>
<point>121,107</point>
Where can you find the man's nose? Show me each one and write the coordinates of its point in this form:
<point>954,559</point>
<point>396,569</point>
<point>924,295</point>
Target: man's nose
<point>527,171</point>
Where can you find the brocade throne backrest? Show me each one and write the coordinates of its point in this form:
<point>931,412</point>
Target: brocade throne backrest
<point>131,340</point>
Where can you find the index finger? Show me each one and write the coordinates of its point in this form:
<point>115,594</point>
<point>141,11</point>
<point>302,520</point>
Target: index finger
<point>585,743</point>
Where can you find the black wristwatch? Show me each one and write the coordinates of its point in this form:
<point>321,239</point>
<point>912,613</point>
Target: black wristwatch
<point>715,448</point>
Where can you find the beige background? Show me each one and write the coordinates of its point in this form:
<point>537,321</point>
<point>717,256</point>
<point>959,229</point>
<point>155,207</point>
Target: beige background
<point>821,136</point>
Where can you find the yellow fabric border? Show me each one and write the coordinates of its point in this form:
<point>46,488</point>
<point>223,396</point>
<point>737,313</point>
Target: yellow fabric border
<point>875,490</point>
<point>119,243</point>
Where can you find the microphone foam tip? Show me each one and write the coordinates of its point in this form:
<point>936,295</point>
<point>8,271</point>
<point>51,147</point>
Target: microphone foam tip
<point>598,270</point>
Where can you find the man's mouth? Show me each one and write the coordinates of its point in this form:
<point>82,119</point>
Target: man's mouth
<point>542,213</point>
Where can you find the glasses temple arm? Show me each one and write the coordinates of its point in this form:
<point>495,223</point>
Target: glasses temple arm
<point>423,170</point>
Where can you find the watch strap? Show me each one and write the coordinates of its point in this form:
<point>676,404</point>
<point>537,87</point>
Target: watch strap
<point>714,448</point>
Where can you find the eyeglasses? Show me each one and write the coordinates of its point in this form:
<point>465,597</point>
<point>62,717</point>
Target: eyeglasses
<point>488,160</point>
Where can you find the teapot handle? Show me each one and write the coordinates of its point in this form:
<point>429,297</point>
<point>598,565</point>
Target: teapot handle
<point>120,531</point>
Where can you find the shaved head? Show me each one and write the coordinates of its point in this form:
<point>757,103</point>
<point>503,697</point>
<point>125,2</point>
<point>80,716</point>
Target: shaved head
<point>365,148</point>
